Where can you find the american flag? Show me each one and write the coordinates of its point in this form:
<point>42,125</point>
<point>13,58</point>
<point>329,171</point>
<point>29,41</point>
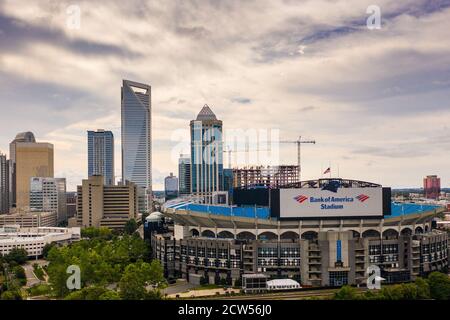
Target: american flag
<point>327,171</point>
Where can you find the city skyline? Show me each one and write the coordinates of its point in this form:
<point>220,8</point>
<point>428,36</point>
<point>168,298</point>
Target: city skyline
<point>376,101</point>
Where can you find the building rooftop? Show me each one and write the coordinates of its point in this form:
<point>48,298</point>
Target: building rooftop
<point>206,114</point>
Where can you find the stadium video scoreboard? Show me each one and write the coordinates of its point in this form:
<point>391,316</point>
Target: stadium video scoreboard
<point>342,202</point>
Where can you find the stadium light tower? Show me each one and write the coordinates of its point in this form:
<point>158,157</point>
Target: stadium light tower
<point>299,143</point>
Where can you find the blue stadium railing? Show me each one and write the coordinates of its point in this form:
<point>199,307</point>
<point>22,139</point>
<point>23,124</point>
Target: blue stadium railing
<point>398,209</point>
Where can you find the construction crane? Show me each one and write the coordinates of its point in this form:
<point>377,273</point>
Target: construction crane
<point>299,143</point>
<point>229,150</point>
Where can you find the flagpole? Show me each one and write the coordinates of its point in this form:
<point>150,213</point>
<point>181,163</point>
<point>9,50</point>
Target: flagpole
<point>329,166</point>
<point>321,171</point>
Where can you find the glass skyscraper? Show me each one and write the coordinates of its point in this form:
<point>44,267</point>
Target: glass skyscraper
<point>206,154</point>
<point>136,136</point>
<point>4,184</point>
<point>101,155</point>
<point>184,174</point>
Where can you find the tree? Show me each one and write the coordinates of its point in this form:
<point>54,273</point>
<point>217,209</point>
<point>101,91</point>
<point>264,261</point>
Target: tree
<point>92,233</point>
<point>439,286</point>
<point>131,226</point>
<point>110,295</point>
<point>19,273</point>
<point>132,284</point>
<point>18,255</point>
<point>88,293</point>
<point>346,293</point>
<point>11,295</point>
<point>156,274</point>
<point>423,289</point>
<point>47,249</point>
<point>136,278</point>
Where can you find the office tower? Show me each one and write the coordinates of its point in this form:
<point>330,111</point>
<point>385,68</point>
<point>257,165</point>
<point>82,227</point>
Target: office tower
<point>432,187</point>
<point>49,195</point>
<point>4,184</point>
<point>20,137</point>
<point>136,138</point>
<point>171,187</point>
<point>32,160</point>
<point>71,202</point>
<point>101,155</point>
<point>184,174</point>
<point>206,154</point>
<point>100,205</point>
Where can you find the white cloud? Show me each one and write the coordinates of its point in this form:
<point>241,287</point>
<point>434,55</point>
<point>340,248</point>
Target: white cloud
<point>281,57</point>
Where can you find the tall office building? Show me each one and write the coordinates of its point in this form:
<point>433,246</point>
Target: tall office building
<point>100,205</point>
<point>206,154</point>
<point>101,155</point>
<point>171,187</point>
<point>184,174</point>
<point>136,137</point>
<point>32,160</point>
<point>4,184</point>
<point>20,137</point>
<point>49,195</point>
<point>432,187</point>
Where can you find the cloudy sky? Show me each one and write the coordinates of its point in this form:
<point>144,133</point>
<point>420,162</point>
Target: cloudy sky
<point>376,101</point>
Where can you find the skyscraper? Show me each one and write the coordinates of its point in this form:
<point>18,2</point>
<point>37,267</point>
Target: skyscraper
<point>101,155</point>
<point>184,174</point>
<point>206,154</point>
<point>49,195</point>
<point>20,137</point>
<point>136,137</point>
<point>32,160</point>
<point>171,187</point>
<point>4,184</point>
<point>432,187</point>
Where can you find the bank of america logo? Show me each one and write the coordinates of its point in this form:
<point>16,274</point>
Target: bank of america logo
<point>300,198</point>
<point>362,197</point>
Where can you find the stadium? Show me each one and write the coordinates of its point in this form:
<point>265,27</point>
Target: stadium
<point>323,232</point>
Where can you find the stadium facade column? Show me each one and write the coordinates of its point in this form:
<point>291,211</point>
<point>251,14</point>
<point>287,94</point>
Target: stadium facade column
<point>234,227</point>
<point>278,230</point>
<point>300,225</point>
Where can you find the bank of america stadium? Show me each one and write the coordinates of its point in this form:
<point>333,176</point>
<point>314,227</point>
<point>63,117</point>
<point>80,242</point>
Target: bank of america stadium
<point>324,232</point>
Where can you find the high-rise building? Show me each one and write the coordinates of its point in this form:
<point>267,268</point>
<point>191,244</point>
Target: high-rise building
<point>4,184</point>
<point>184,174</point>
<point>271,176</point>
<point>32,160</point>
<point>432,187</point>
<point>101,155</point>
<point>71,202</point>
<point>171,187</point>
<point>20,137</point>
<point>100,205</point>
<point>206,154</point>
<point>49,194</point>
<point>136,137</point>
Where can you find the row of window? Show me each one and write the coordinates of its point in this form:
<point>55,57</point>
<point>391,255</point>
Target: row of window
<point>433,247</point>
<point>387,249</point>
<point>389,258</point>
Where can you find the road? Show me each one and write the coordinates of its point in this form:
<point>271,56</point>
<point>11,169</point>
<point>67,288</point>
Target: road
<point>31,277</point>
<point>181,286</point>
<point>289,295</point>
